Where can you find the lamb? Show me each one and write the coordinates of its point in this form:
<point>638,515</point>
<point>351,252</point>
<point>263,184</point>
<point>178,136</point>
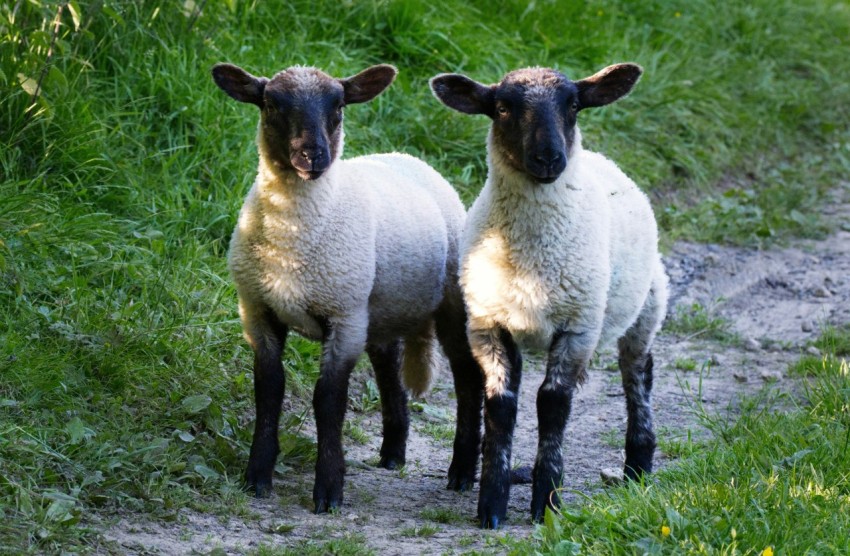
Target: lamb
<point>361,254</point>
<point>560,251</point>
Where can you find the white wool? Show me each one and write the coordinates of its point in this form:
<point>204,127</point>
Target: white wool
<point>366,245</point>
<point>579,254</point>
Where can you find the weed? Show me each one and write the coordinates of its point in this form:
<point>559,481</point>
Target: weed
<point>442,433</point>
<point>369,400</point>
<point>355,432</point>
<point>685,364</point>
<point>443,515</point>
<point>697,321</point>
<point>613,438</point>
<point>420,531</point>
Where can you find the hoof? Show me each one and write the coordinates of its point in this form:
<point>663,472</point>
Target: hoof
<point>262,488</point>
<point>521,475</point>
<point>461,480</point>
<point>391,463</point>
<point>491,522</point>
<point>326,506</point>
<point>460,484</point>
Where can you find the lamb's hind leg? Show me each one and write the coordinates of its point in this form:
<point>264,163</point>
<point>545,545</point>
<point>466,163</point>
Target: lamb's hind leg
<point>267,336</point>
<point>469,390</point>
<point>500,360</point>
<point>386,361</point>
<point>569,355</point>
<point>636,368</point>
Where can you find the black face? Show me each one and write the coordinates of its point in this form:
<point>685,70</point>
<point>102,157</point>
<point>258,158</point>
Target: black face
<point>301,122</point>
<point>534,111</point>
<point>534,118</point>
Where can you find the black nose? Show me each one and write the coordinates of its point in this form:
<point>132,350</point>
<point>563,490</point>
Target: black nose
<point>313,155</point>
<point>547,158</point>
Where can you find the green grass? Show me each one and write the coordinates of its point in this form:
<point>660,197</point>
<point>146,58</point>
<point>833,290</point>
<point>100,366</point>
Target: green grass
<point>124,382</point>
<point>697,321</point>
<point>775,476</point>
<point>425,531</point>
<point>443,515</point>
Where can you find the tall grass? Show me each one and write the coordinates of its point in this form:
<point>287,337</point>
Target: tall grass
<point>123,379</point>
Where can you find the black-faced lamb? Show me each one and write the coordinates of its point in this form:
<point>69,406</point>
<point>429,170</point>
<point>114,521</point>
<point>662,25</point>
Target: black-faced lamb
<point>360,254</point>
<point>560,251</point>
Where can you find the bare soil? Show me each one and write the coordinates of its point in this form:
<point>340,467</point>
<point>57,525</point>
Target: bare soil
<point>776,301</point>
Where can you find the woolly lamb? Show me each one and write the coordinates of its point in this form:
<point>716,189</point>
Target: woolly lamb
<point>560,251</point>
<point>359,254</point>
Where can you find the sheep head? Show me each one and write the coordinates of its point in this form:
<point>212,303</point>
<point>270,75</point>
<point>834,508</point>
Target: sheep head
<point>534,111</point>
<point>301,111</point>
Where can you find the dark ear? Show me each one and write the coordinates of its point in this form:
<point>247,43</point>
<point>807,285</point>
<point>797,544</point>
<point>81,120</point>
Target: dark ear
<point>463,94</point>
<point>608,85</point>
<point>239,84</point>
<point>368,84</point>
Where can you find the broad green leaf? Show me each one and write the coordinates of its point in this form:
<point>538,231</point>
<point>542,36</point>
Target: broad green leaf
<point>206,472</point>
<point>185,436</point>
<point>195,404</point>
<point>56,79</point>
<point>28,84</point>
<point>76,430</point>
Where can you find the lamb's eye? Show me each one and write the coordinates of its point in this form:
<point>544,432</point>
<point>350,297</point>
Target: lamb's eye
<point>574,106</point>
<point>503,111</point>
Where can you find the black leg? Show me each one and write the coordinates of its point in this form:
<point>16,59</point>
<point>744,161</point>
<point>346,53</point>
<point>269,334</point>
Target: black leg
<point>640,438</point>
<point>501,362</point>
<point>267,336</point>
<point>386,362</point>
<point>636,369</point>
<point>342,346</point>
<point>566,367</point>
<point>469,390</point>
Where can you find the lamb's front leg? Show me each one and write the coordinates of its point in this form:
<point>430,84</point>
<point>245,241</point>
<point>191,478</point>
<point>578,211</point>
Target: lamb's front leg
<point>267,336</point>
<point>569,355</point>
<point>501,363</point>
<point>343,344</point>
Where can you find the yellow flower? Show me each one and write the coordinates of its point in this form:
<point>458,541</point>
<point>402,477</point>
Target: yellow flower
<point>767,551</point>
<point>665,532</point>
<point>678,14</point>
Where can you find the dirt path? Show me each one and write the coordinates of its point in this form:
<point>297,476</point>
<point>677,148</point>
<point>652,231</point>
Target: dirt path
<point>776,301</point>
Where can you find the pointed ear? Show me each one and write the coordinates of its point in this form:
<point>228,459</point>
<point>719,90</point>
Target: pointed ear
<point>239,84</point>
<point>368,84</point>
<point>608,85</point>
<point>463,94</point>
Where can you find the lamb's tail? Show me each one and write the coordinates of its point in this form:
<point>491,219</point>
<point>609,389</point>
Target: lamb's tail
<point>421,361</point>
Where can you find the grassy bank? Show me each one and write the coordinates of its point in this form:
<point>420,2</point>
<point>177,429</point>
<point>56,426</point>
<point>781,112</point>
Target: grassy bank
<point>124,383</point>
<point>774,481</point>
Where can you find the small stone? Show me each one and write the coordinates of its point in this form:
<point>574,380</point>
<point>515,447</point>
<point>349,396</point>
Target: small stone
<point>822,292</point>
<point>751,344</point>
<point>807,326</point>
<point>812,350</point>
<point>611,476</point>
<point>740,377</point>
<point>771,376</point>
<point>715,360</point>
